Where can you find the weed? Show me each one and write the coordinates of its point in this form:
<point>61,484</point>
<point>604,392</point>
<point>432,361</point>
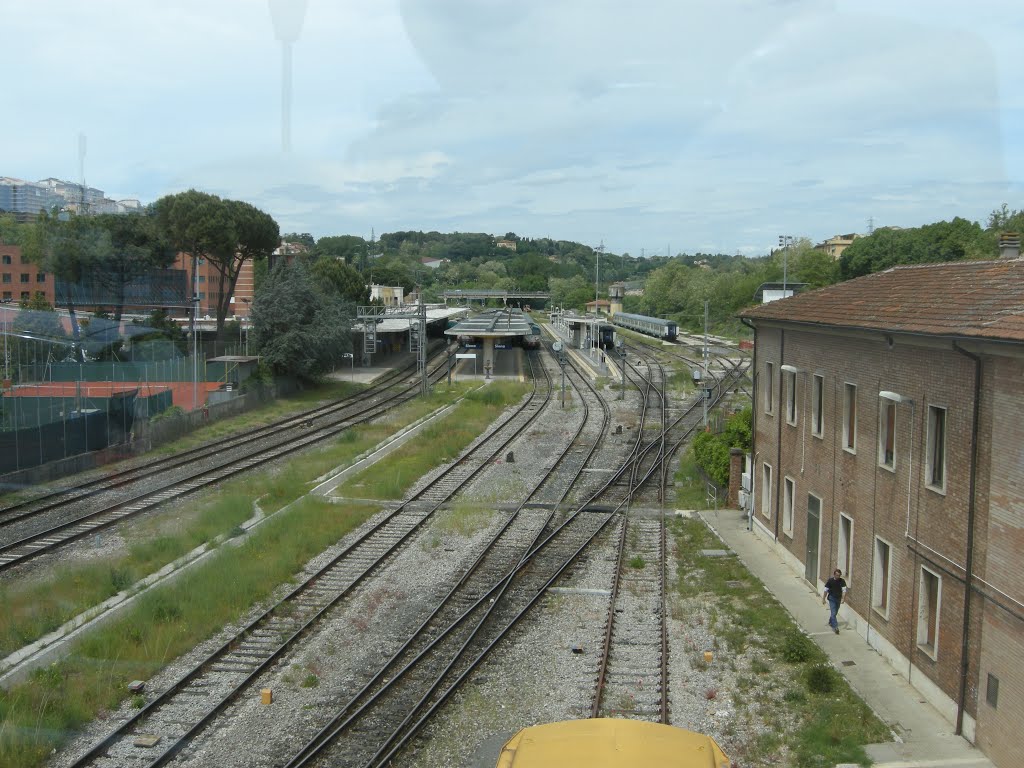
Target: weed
<point>310,681</point>
<point>795,696</point>
<point>796,647</point>
<point>711,693</point>
<point>637,562</point>
<point>138,701</point>
<point>821,678</point>
<point>760,667</point>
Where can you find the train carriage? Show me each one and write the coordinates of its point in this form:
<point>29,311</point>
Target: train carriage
<point>610,743</point>
<point>651,326</point>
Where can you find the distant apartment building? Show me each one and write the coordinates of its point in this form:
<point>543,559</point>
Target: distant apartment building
<point>509,244</point>
<point>26,199</point>
<point>20,280</point>
<point>835,246</point>
<point>889,442</point>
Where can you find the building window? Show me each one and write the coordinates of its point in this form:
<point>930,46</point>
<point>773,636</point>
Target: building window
<point>880,577</point>
<point>887,433</point>
<point>7,278</point>
<point>24,295</point>
<point>202,295</point>
<point>202,278</point>
<point>40,294</point>
<point>769,387</point>
<point>818,405</point>
<point>791,397</point>
<point>850,417</point>
<point>7,259</point>
<point>7,295</point>
<point>929,600</point>
<point>766,490</point>
<point>992,691</point>
<point>41,277</point>
<point>788,494</point>
<point>25,278</point>
<point>935,459</point>
<point>845,545</point>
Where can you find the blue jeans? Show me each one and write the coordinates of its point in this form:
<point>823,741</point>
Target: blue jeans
<point>833,606</point>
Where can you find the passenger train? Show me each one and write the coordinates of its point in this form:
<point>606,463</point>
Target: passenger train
<point>652,326</point>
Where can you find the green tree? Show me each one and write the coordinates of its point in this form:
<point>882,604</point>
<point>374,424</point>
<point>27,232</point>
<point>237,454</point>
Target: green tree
<point>343,279</point>
<point>137,246</point>
<point>68,250</point>
<point>353,250</point>
<point>298,328</point>
<point>197,224</point>
<point>939,242</point>
<point>255,236</point>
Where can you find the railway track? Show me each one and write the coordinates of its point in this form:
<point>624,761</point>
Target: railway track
<point>181,711</point>
<point>239,456</point>
<point>38,504</point>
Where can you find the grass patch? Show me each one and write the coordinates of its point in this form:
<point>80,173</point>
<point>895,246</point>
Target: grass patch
<point>831,724</point>
<point>30,610</point>
<point>272,411</point>
<point>463,519</point>
<point>689,483</point>
<point>637,562</point>
<point>438,443</point>
<point>42,714</point>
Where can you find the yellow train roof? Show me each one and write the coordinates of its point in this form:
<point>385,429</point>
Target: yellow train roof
<point>610,743</point>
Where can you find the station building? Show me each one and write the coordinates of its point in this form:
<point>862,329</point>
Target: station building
<point>888,442</point>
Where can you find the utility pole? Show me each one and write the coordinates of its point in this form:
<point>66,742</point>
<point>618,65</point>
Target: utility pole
<point>597,274</point>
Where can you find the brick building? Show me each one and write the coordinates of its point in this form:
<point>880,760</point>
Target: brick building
<point>20,280</point>
<point>889,442</point>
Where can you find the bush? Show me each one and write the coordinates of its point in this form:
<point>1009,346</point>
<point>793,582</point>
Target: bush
<point>712,455</point>
<point>797,647</point>
<point>821,678</point>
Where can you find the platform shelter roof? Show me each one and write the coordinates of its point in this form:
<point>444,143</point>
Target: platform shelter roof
<point>494,324</point>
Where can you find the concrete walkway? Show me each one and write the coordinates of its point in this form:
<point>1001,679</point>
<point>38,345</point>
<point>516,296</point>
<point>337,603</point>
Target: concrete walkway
<point>925,739</point>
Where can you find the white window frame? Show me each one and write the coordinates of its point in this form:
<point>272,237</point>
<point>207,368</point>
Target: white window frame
<point>929,462</point>
<point>769,388</point>
<point>924,620</point>
<point>788,502</point>
<point>849,402</point>
<point>792,409</point>
<point>845,548</point>
<point>881,583</point>
<point>818,405</point>
<point>766,490</point>
<point>885,408</point>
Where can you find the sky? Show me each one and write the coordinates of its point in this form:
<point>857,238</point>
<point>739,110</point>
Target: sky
<point>652,126</point>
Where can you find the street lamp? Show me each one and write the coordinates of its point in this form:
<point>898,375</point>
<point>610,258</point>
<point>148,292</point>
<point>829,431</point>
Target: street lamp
<point>352,364</point>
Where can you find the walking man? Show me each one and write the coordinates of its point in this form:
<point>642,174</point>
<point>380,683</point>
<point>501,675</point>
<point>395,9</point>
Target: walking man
<point>835,592</point>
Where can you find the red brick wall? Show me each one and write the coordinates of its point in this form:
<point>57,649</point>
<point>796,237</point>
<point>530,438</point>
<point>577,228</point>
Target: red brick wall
<point>14,289</point>
<point>875,497</point>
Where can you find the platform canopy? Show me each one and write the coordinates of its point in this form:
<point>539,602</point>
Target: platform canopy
<point>401,324</point>
<point>495,324</point>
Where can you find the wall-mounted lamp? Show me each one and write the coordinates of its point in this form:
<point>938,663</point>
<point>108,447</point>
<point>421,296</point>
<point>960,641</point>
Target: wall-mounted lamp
<point>790,369</point>
<point>895,397</point>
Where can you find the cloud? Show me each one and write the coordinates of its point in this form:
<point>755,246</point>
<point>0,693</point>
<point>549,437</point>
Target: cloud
<point>696,122</point>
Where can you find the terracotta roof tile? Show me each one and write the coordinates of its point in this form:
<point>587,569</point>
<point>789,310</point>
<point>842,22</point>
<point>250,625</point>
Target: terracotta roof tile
<point>980,299</point>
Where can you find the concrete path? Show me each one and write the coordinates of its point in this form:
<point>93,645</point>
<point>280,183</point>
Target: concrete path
<point>925,738</point>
